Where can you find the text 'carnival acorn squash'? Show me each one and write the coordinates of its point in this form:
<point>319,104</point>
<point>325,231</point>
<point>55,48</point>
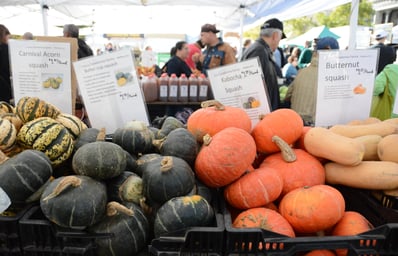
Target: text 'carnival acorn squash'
<point>224,157</point>
<point>214,117</point>
<point>47,135</point>
<point>29,108</point>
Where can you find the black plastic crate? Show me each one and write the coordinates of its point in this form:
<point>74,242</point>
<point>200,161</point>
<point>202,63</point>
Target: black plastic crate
<point>195,240</point>
<point>40,237</point>
<point>10,243</point>
<point>381,240</point>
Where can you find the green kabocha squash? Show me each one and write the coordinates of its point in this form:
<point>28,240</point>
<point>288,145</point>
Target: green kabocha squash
<point>144,160</point>
<point>47,135</point>
<point>180,143</point>
<point>127,187</point>
<point>30,108</point>
<point>134,141</point>
<point>23,174</point>
<point>74,125</point>
<point>180,213</point>
<point>74,201</point>
<point>129,227</point>
<point>88,135</point>
<point>169,124</point>
<point>99,160</point>
<point>166,178</point>
<point>8,135</point>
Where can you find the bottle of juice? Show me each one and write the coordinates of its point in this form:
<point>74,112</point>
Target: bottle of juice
<point>150,88</point>
<point>183,87</point>
<point>163,87</point>
<point>193,88</point>
<point>173,88</point>
<point>204,86</point>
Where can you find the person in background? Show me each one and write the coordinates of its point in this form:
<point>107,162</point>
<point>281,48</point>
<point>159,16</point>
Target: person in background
<point>271,33</point>
<point>302,92</point>
<point>176,64</point>
<point>5,76</point>
<point>71,30</point>
<point>388,75</point>
<point>387,54</point>
<point>305,55</point>
<point>217,53</point>
<point>289,71</point>
<point>195,51</point>
<point>280,60</point>
<point>246,45</point>
<point>27,36</point>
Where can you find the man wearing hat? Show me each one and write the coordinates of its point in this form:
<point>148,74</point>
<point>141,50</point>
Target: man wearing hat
<point>387,54</point>
<point>270,34</point>
<point>217,52</point>
<point>302,92</point>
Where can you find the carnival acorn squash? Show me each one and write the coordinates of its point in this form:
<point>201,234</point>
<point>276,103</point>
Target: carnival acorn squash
<point>30,108</point>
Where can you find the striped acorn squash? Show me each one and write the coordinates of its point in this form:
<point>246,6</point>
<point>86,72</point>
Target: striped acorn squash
<point>49,136</point>
<point>13,118</point>
<point>6,107</point>
<point>8,134</point>
<point>74,125</point>
<point>29,108</point>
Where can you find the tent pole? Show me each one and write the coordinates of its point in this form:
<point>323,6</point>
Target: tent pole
<point>353,24</point>
<point>44,9</point>
<point>242,10</point>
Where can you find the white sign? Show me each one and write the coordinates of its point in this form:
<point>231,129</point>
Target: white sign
<point>43,70</point>
<point>345,85</point>
<point>241,85</point>
<point>110,90</point>
<point>148,58</point>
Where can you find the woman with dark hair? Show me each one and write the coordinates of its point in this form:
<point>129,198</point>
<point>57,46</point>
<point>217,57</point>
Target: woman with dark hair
<point>176,64</point>
<point>5,80</point>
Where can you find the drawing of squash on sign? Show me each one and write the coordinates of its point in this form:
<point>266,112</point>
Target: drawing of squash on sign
<point>359,89</point>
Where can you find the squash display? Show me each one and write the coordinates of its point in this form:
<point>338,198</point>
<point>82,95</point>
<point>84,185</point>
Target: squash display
<point>224,157</point>
<point>214,117</point>
<point>99,160</point>
<point>165,178</point>
<point>23,174</point>
<point>47,135</point>
<point>30,108</point>
<point>129,227</point>
<point>74,201</point>
<point>134,141</point>
<point>180,213</point>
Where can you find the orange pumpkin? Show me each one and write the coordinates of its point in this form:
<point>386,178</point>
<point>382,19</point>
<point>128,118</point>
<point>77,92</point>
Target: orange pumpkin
<point>305,170</point>
<point>320,253</point>
<point>213,117</point>
<point>224,157</point>
<point>264,218</point>
<point>312,208</point>
<point>254,189</point>
<point>283,122</point>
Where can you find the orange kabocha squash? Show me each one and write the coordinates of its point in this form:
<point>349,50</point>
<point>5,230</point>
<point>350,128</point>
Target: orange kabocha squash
<point>224,157</point>
<point>312,209</point>
<point>283,122</point>
<point>213,117</point>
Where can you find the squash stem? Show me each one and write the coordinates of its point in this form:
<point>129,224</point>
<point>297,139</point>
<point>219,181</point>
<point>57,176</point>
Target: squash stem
<point>101,135</point>
<point>207,139</point>
<point>3,157</point>
<point>114,208</point>
<point>62,185</point>
<point>166,164</point>
<point>158,143</point>
<point>211,103</point>
<point>288,154</point>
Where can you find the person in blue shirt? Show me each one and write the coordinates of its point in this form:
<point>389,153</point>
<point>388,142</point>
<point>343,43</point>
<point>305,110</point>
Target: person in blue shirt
<point>176,64</point>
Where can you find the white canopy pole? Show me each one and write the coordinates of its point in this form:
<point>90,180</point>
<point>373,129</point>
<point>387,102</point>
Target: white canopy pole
<point>353,24</point>
<point>44,9</point>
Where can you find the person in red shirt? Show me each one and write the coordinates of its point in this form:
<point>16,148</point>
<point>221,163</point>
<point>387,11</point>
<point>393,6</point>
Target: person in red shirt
<point>195,50</point>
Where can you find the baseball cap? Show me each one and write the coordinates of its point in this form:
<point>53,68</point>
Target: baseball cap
<point>381,34</point>
<point>209,28</point>
<point>274,23</point>
<point>327,43</point>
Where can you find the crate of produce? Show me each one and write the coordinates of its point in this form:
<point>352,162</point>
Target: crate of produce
<point>10,236</point>
<point>206,240</point>
<point>41,237</point>
<point>381,240</point>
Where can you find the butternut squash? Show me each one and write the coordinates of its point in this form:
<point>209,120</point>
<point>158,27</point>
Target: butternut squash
<point>370,142</point>
<point>387,149</point>
<point>352,131</point>
<point>377,175</point>
<point>369,120</point>
<point>391,120</point>
<point>322,142</point>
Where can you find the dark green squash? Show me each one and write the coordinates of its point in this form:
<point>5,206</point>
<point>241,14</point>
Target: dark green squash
<point>127,187</point>
<point>23,174</point>
<point>129,227</point>
<point>169,124</point>
<point>47,135</point>
<point>180,213</point>
<point>99,160</point>
<point>166,178</point>
<point>86,136</point>
<point>134,141</point>
<point>180,143</point>
<point>74,201</point>
<point>144,160</point>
